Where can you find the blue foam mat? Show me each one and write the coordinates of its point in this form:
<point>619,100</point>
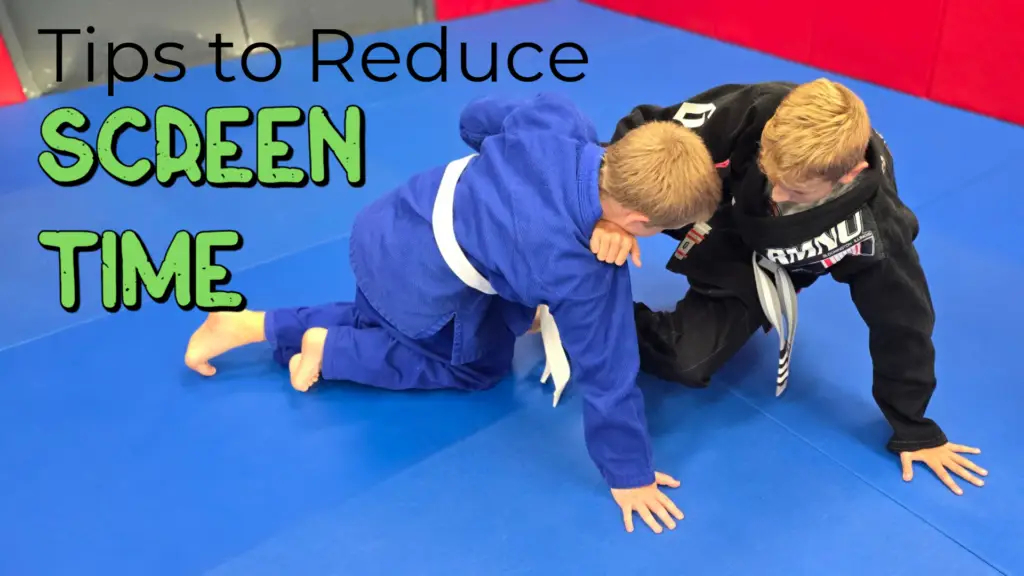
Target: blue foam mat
<point>117,460</point>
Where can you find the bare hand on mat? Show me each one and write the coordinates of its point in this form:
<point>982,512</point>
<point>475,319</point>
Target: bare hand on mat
<point>648,502</point>
<point>943,459</point>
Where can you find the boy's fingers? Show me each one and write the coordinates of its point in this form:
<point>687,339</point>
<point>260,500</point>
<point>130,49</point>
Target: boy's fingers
<point>663,479</point>
<point>602,249</point>
<point>623,254</point>
<point>908,466</point>
<point>943,475</point>
<point>627,518</point>
<point>963,473</point>
<point>609,250</point>
<point>670,505</point>
<point>635,251</point>
<point>666,519</point>
<point>645,513</point>
<point>969,465</point>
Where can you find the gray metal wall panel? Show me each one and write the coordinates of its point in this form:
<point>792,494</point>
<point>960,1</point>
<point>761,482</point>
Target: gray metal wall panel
<point>286,23</point>
<point>193,23</point>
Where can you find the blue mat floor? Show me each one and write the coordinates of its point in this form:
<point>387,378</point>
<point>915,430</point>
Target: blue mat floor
<point>114,459</point>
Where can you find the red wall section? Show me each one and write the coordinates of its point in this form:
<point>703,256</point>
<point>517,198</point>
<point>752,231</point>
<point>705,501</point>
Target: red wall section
<point>628,8</point>
<point>888,42</point>
<point>452,9</point>
<point>696,16</point>
<point>980,63</point>
<point>763,26</point>
<point>10,86</point>
<point>966,53</point>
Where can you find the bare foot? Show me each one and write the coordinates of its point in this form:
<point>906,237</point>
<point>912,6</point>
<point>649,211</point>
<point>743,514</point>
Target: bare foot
<point>305,366</point>
<point>221,332</point>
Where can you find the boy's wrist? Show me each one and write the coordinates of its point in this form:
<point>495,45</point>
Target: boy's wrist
<point>630,480</point>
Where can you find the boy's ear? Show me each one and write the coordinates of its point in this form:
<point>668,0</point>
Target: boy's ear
<point>849,176</point>
<point>636,218</point>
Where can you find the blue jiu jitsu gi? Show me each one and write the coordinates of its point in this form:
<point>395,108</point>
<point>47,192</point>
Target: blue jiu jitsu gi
<point>524,209</point>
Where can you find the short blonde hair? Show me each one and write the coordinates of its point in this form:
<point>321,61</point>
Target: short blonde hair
<point>665,172</point>
<point>820,131</point>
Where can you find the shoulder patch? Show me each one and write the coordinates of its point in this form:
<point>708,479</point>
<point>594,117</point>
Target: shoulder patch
<point>693,114</point>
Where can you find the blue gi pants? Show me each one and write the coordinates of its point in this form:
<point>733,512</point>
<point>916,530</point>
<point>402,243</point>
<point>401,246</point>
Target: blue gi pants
<point>361,347</point>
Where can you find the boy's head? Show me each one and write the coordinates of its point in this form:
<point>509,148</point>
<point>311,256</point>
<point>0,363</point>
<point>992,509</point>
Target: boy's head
<point>815,142</point>
<point>658,177</point>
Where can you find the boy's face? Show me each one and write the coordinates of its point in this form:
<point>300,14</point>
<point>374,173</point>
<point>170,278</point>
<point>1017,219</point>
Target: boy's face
<point>804,193</point>
<point>814,191</point>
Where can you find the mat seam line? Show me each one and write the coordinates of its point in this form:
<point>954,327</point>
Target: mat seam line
<point>937,198</point>
<point>226,564</point>
<point>865,481</point>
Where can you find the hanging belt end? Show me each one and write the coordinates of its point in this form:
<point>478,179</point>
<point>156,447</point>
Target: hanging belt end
<point>558,394</point>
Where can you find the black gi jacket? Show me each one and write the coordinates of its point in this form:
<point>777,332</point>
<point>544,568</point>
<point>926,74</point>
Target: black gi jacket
<point>863,238</point>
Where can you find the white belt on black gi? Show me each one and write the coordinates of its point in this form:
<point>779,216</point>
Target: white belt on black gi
<point>778,301</point>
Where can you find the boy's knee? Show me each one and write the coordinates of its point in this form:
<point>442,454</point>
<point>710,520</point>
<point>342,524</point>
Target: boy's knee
<point>667,355</point>
<point>692,376</point>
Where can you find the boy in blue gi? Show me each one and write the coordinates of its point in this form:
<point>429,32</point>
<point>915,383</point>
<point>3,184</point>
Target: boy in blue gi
<point>455,264</point>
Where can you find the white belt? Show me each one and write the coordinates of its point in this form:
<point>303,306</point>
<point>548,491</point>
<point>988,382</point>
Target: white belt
<point>556,364</point>
<point>778,300</point>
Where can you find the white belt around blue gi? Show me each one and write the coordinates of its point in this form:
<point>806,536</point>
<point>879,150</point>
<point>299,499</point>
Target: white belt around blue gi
<point>556,364</point>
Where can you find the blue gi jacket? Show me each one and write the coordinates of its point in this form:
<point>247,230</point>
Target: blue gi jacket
<point>525,209</point>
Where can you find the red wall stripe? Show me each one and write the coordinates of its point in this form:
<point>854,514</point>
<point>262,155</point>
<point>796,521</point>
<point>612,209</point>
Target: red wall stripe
<point>881,41</point>
<point>958,52</point>
<point>452,9</point>
<point>10,86</point>
<point>980,63</point>
<point>763,26</point>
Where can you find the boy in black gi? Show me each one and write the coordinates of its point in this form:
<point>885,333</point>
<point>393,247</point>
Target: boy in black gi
<point>809,191</point>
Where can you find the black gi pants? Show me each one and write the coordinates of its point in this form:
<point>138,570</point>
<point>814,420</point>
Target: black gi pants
<point>689,344</point>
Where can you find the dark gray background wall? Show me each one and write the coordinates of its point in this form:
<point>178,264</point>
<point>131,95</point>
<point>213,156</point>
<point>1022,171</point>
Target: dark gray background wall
<point>193,23</point>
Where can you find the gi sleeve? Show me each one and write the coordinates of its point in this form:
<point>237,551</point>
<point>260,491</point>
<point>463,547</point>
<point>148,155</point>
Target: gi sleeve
<point>545,112</point>
<point>892,297</point>
<point>599,334</point>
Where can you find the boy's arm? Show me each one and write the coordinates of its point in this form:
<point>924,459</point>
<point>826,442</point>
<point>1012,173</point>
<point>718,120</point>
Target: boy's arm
<point>491,116</point>
<point>892,297</point>
<point>599,335</point>
<point>594,313</point>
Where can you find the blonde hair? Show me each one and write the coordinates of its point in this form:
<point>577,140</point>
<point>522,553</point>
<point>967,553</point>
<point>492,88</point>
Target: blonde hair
<point>820,131</point>
<point>665,172</point>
